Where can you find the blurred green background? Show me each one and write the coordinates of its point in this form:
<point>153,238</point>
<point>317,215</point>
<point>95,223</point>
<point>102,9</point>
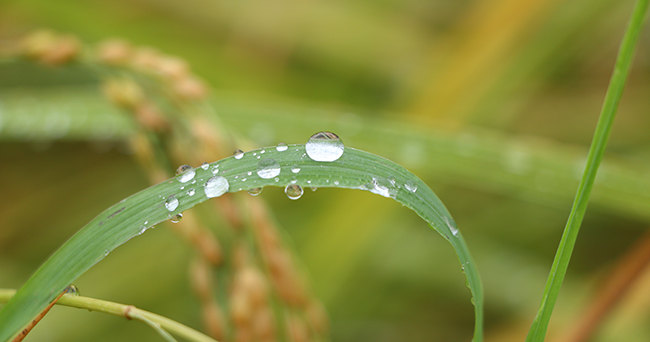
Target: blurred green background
<point>491,102</point>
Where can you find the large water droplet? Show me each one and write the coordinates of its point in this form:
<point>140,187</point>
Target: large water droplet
<point>293,191</point>
<point>411,186</point>
<point>282,147</point>
<point>171,203</point>
<point>238,154</point>
<point>255,191</point>
<point>324,146</point>
<point>216,186</point>
<point>268,168</point>
<point>176,218</point>
<point>186,173</point>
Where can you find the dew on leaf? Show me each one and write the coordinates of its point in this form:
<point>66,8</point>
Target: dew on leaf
<point>411,186</point>
<point>452,225</point>
<point>205,166</point>
<point>176,218</point>
<point>191,192</point>
<point>171,203</point>
<point>255,191</point>
<point>186,173</point>
<point>281,147</point>
<point>216,186</point>
<point>238,154</point>
<point>325,147</point>
<point>293,191</point>
<point>268,168</point>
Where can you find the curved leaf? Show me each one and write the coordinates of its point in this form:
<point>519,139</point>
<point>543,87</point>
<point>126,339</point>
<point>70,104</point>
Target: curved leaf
<point>355,169</point>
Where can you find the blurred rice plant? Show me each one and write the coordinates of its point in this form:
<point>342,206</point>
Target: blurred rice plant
<point>492,103</point>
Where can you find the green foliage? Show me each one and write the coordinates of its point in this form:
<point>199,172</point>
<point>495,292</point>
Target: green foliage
<point>130,217</point>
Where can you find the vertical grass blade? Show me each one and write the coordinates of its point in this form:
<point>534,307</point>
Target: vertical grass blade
<point>286,166</point>
<point>538,329</point>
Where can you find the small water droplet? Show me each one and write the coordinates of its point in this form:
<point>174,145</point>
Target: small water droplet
<point>295,169</point>
<point>293,191</point>
<point>191,192</point>
<point>276,179</point>
<point>215,169</point>
<point>382,187</point>
<point>238,154</point>
<point>324,146</point>
<point>262,151</point>
<point>452,225</point>
<point>171,203</point>
<point>313,188</point>
<point>205,166</point>
<point>249,173</point>
<point>336,182</point>
<point>268,168</point>
<point>186,173</point>
<point>216,186</point>
<point>72,290</point>
<point>282,147</point>
<point>255,191</point>
<point>176,218</point>
<point>411,186</point>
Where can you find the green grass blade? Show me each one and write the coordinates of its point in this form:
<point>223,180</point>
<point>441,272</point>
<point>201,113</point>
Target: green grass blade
<point>538,329</point>
<point>132,216</point>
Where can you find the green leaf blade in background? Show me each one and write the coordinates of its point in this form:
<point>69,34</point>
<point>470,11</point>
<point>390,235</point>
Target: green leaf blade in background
<point>537,332</point>
<point>132,216</point>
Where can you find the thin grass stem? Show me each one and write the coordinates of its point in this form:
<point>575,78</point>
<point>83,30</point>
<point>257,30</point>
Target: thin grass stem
<point>161,324</point>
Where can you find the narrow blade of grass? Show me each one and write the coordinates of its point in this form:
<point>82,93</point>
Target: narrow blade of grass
<point>355,169</point>
<point>538,329</point>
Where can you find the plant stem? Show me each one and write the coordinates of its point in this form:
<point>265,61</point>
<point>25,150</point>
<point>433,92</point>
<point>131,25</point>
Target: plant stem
<point>538,329</point>
<point>38,318</point>
<point>122,310</point>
